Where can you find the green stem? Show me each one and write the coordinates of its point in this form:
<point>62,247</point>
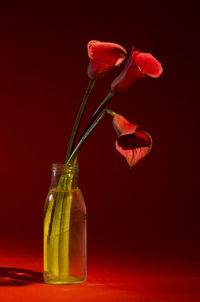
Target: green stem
<point>110,95</point>
<point>64,235</point>
<point>91,128</point>
<point>79,118</point>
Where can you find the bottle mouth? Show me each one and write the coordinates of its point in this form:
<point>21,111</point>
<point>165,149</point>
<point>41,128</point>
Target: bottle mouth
<point>60,167</point>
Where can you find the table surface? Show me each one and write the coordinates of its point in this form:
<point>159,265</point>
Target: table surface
<point>134,278</point>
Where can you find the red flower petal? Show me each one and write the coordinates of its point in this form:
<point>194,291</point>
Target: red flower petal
<point>103,57</point>
<point>140,140</point>
<point>148,64</point>
<point>122,126</point>
<point>138,66</point>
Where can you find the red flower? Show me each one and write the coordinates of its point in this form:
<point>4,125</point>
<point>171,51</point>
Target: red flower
<point>103,57</point>
<point>139,65</point>
<point>133,143</point>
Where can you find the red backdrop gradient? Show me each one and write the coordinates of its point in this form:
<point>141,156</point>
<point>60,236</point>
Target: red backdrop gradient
<point>43,63</point>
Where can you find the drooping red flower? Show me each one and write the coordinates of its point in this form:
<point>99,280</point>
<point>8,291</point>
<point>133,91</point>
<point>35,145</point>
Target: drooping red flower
<point>133,143</point>
<point>103,57</point>
<point>139,66</point>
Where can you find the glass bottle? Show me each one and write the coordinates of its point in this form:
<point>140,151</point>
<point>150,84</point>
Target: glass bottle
<point>64,228</point>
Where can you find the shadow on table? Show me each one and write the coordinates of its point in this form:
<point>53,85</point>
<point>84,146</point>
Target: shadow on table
<point>19,277</point>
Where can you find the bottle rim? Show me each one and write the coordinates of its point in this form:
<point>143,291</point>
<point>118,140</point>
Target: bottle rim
<point>60,167</point>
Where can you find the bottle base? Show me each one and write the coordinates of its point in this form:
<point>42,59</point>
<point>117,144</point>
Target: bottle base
<point>62,280</point>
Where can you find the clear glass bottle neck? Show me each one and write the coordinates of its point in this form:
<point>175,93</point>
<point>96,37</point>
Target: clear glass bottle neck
<point>57,171</point>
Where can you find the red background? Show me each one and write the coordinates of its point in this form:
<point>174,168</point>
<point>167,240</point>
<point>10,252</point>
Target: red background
<point>151,210</point>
